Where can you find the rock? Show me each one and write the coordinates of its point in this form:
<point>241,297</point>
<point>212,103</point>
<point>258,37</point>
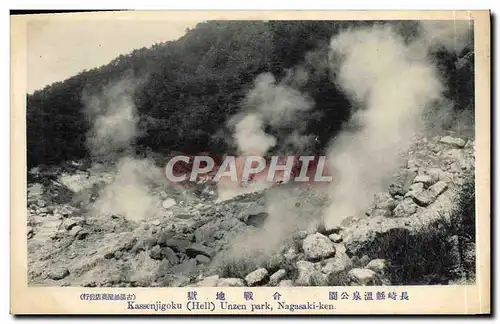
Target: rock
<point>211,281</point>
<point>317,246</point>
<point>256,277</point>
<point>179,245</point>
<point>218,235</point>
<point>58,273</point>
<point>335,238</point>
<point>40,203</point>
<point>163,237</point>
<point>231,282</point>
<point>155,253</point>
<point>455,168</point>
<point>430,195</point>
<point>277,277</point>
<point>377,265</point>
<point>435,174</point>
<point>306,271</point>
<point>361,276</point>
<point>168,203</point>
<point>380,213</point>
<point>339,263</point>
<point>30,231</point>
<point>82,234</point>
<point>405,208</point>
<point>78,182</point>
<point>384,201</point>
<point>252,210</point>
<point>415,189</point>
<point>75,230</point>
<point>402,183</point>
<point>206,232</point>
<point>301,235</point>
<point>155,222</point>
<point>425,179</point>
<point>290,254</point>
<point>438,188</point>
<point>170,255</point>
<point>187,267</point>
<point>458,142</point>
<point>66,210</point>
<point>196,249</point>
<point>459,157</point>
<point>70,223</point>
<point>176,280</point>
<point>424,198</point>
<point>286,283</point>
<point>256,220</point>
<point>201,259</point>
<point>339,248</point>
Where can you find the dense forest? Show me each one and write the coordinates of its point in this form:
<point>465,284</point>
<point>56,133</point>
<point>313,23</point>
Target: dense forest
<point>193,85</point>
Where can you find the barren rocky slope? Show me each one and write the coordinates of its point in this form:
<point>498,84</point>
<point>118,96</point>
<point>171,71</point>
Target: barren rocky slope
<point>194,239</point>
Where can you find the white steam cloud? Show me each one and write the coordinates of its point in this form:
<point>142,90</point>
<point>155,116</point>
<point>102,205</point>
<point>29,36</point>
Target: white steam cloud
<point>250,136</point>
<point>114,119</point>
<point>454,36</point>
<point>129,194</point>
<point>393,83</point>
<point>114,129</point>
<point>273,104</point>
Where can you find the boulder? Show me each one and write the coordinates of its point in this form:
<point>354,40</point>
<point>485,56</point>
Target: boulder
<point>179,245</point>
<point>435,174</point>
<point>361,276</point>
<point>170,255</point>
<point>317,246</point>
<point>438,188</point>
<point>195,249</point>
<point>155,253</point>
<point>377,265</point>
<point>424,179</point>
<point>231,282</point>
<point>405,208</point>
<point>277,277</point>
<point>58,273</point>
<point>415,189</point>
<point>168,203</point>
<point>256,277</point>
<point>187,267</point>
<point>211,281</point>
<point>339,263</point>
<point>286,283</point>
<point>402,182</point>
<point>459,157</point>
<point>454,141</point>
<point>290,254</point>
<point>201,259</point>
<point>75,230</point>
<point>306,271</point>
<point>335,238</point>
<point>430,195</point>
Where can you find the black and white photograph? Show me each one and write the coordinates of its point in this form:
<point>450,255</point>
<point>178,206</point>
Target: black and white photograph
<point>187,152</point>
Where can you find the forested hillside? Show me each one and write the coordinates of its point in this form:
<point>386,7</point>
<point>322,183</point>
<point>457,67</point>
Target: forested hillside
<point>190,87</point>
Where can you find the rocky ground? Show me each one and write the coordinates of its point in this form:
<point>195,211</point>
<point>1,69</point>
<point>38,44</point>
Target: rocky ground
<point>408,236</point>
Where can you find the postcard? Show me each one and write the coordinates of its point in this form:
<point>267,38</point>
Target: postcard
<point>250,163</point>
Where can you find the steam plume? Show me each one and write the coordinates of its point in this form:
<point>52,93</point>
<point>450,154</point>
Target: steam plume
<point>393,83</point>
<point>114,119</point>
<point>251,137</point>
<point>114,129</point>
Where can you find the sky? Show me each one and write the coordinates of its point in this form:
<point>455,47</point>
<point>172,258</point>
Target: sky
<point>59,49</point>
